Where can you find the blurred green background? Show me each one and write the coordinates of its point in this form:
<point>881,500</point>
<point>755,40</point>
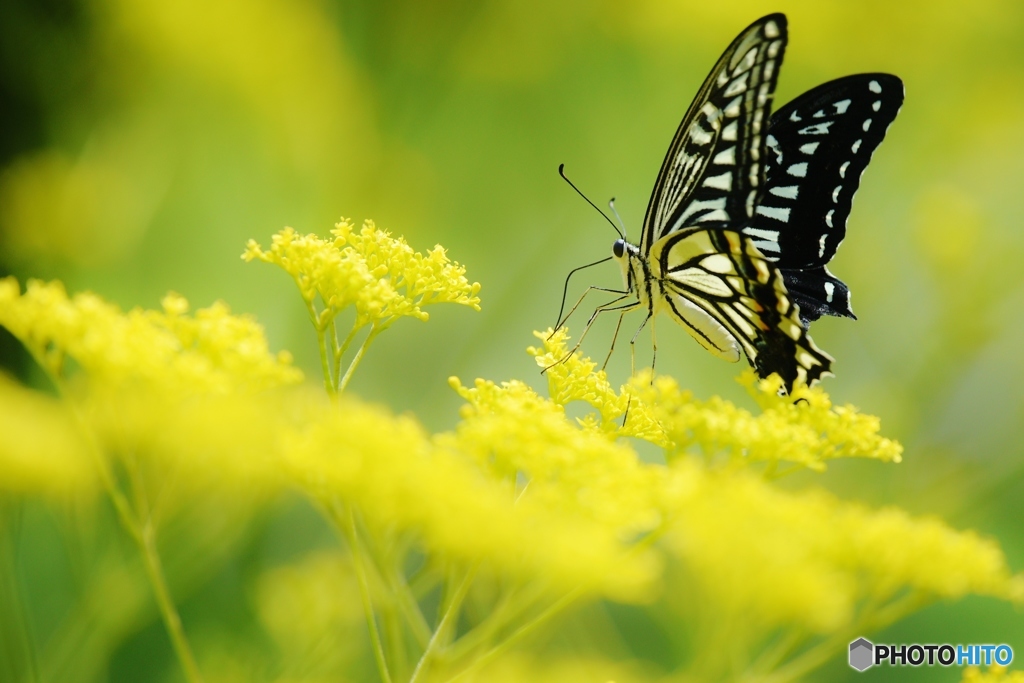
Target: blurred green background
<point>142,144</point>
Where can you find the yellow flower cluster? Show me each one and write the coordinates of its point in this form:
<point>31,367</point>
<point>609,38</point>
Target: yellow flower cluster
<point>213,351</point>
<point>517,509</point>
<point>803,428</point>
<point>768,557</point>
<point>398,477</point>
<point>577,470</point>
<point>774,556</point>
<point>572,377</point>
<point>378,275</point>
<point>381,276</point>
<point>40,449</point>
<point>183,393</point>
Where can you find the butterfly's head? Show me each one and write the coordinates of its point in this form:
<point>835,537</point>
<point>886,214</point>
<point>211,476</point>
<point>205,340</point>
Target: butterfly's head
<point>627,256</point>
<point>619,249</point>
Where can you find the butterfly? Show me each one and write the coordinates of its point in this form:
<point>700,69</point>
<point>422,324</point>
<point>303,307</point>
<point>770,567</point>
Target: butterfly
<point>747,209</point>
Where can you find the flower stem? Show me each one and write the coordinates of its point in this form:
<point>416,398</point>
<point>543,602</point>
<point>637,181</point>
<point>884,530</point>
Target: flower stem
<point>154,570</point>
<point>447,623</point>
<point>348,524</point>
<point>340,351</point>
<point>144,536</point>
<point>512,604</point>
<point>321,340</point>
<point>797,668</point>
<point>402,592</point>
<point>374,331</point>
<point>20,648</point>
<point>520,633</point>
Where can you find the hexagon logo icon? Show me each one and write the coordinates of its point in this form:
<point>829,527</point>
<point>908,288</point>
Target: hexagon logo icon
<point>861,654</point>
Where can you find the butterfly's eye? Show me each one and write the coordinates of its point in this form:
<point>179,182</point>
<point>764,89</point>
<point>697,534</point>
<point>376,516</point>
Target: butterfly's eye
<point>619,248</point>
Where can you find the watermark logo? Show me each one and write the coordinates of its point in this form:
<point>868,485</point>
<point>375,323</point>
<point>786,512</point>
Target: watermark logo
<point>861,654</point>
<point>864,654</point>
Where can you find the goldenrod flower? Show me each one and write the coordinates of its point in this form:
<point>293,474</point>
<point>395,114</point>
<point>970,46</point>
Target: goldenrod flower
<point>572,377</point>
<point>772,557</point>
<point>511,516</point>
<point>398,477</point>
<point>165,406</point>
<point>802,428</point>
<point>378,275</point>
<point>213,351</point>
<point>41,451</point>
<point>579,470</point>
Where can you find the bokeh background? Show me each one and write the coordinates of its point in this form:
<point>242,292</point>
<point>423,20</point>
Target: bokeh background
<point>142,144</point>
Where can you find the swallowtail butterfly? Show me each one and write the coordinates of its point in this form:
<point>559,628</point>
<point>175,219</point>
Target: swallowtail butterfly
<point>746,210</point>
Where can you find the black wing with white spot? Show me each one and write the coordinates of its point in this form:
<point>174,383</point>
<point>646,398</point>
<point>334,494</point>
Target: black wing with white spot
<point>818,146</point>
<point>714,167</point>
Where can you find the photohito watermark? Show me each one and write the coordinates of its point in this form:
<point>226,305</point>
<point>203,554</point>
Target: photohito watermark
<point>864,654</point>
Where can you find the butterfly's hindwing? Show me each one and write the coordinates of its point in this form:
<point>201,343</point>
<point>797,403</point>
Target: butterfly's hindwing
<point>722,290</point>
<point>818,146</point>
<point>714,167</point>
<point>817,292</point>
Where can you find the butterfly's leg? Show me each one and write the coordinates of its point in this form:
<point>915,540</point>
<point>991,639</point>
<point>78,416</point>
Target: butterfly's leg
<point>614,338</point>
<point>632,343</point>
<point>565,289</point>
<point>562,321</point>
<point>604,308</point>
<point>633,359</point>
<point>654,346</point>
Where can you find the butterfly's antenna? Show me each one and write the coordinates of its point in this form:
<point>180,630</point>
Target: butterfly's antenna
<point>611,205</point>
<point>561,172</point>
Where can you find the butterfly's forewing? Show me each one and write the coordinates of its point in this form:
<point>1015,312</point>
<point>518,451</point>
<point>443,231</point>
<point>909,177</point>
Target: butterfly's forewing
<point>818,146</point>
<point>714,167</point>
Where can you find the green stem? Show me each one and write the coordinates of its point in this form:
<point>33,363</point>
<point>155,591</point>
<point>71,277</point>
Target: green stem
<point>172,620</point>
<point>410,608</point>
<point>512,604</point>
<point>146,540</point>
<point>821,653</point>
<point>340,352</point>
<point>389,608</point>
<point>397,652</point>
<point>144,537</point>
<point>348,524</point>
<point>520,633</point>
<point>776,653</point>
<point>18,647</point>
<point>374,331</point>
<point>447,623</point>
<point>402,591</point>
<point>142,533</point>
<point>321,340</point>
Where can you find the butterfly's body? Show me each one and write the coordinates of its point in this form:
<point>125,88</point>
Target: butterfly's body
<point>747,208</point>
